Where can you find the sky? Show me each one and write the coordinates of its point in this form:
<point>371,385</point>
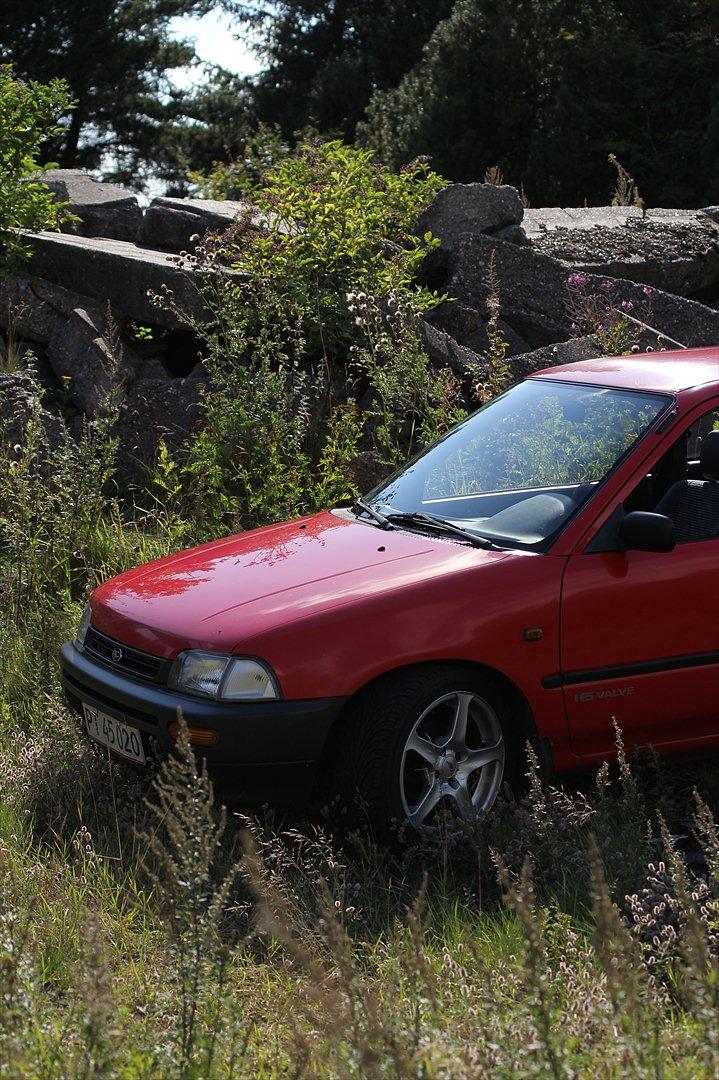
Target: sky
<point>216,43</point>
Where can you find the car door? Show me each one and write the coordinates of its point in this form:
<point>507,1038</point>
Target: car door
<point>640,630</point>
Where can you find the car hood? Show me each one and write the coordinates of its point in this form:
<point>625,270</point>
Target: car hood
<point>221,595</point>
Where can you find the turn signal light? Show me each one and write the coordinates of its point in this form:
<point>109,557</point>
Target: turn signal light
<point>197,736</point>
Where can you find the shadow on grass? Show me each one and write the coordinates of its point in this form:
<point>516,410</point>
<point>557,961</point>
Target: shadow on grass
<point>63,784</point>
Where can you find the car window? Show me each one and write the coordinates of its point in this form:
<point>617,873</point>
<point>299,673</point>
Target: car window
<point>558,439</point>
<point>680,487</point>
<point>709,422</point>
<point>519,468</point>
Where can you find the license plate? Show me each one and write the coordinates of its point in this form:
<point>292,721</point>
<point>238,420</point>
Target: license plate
<point>119,737</point>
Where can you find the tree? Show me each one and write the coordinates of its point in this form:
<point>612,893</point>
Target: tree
<point>643,84</point>
<point>28,117</point>
<point>548,88</point>
<point>326,57</point>
<point>474,98</point>
<point>115,56</point>
<point>214,122</point>
<point>241,172</point>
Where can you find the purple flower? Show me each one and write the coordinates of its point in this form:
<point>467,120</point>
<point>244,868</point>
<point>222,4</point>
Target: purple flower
<point>577,280</point>
<point>627,305</point>
<point>574,328</point>
<point>601,326</point>
<point>607,286</point>
<point>647,291</point>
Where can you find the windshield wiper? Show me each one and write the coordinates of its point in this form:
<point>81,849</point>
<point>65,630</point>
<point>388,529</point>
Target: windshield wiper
<point>365,508</point>
<point>429,521</point>
<point>442,525</point>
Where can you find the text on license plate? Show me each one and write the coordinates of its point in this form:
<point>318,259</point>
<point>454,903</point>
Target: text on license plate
<point>120,737</point>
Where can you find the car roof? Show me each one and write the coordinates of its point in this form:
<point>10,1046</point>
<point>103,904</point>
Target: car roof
<point>663,372</point>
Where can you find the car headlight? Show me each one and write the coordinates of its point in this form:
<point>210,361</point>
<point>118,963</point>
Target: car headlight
<point>225,678</point>
<point>83,628</point>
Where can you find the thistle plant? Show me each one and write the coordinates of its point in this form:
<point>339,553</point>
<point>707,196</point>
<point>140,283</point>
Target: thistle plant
<point>185,847</point>
<point>410,403</point>
<point>596,310</point>
<point>498,377</point>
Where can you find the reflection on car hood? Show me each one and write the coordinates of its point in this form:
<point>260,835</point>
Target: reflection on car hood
<point>223,593</point>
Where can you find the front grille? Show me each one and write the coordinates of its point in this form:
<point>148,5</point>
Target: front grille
<point>131,661</point>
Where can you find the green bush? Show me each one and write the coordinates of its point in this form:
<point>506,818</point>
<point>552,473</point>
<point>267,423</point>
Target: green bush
<point>408,405</point>
<point>337,223</point>
<point>288,351</point>
<point>28,116</point>
<point>62,531</point>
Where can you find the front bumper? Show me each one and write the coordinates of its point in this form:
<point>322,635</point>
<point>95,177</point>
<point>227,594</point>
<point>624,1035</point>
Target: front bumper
<point>266,751</point>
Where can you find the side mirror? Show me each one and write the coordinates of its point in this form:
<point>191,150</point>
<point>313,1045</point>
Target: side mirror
<point>642,531</point>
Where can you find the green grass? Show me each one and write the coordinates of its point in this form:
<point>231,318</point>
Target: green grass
<point>328,956</point>
<point>143,936</point>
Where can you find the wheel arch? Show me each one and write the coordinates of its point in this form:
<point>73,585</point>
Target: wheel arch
<point>526,728</point>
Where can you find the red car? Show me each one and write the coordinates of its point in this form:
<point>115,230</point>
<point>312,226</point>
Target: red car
<point>550,564</point>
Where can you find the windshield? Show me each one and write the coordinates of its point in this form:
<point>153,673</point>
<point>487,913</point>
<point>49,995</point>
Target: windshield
<point>519,468</point>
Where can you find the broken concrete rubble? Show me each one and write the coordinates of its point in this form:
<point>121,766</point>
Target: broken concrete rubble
<point>462,208</point>
<point>87,353</point>
<point>99,209</point>
<point>58,305</point>
<point>171,224</point>
<point>533,294</point>
<point>673,250</point>
<point>116,272</point>
<point>33,309</point>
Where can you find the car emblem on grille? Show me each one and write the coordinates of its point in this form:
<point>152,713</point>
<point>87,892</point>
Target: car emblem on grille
<point>116,655</point>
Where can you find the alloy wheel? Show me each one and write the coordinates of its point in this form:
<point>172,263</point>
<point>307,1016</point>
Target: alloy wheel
<point>453,759</point>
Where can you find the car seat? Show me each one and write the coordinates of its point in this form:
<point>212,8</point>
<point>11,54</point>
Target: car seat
<point>693,505</point>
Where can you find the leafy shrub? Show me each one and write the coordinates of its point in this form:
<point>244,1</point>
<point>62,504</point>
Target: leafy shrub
<point>337,223</point>
<point>62,530</point>
<point>53,496</point>
<point>249,464</point>
<point>28,116</point>
<point>288,352</point>
<point>408,405</point>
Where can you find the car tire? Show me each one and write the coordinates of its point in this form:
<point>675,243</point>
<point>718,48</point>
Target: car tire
<point>420,742</point>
